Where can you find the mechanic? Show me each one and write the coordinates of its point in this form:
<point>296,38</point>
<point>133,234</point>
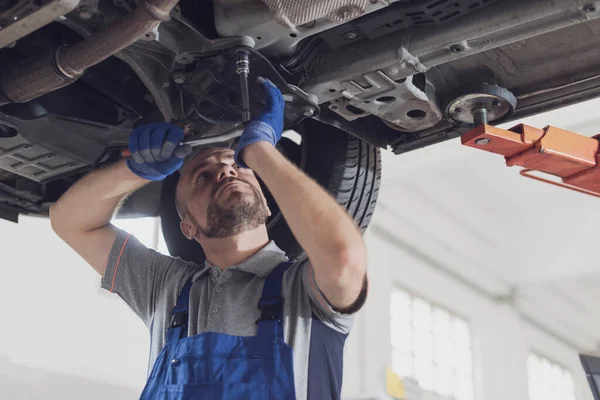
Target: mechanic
<point>249,324</point>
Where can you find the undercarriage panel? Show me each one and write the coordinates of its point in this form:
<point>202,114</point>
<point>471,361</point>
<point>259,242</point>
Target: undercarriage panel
<point>387,76</point>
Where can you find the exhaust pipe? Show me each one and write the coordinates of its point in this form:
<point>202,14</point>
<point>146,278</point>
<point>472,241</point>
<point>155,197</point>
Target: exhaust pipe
<point>36,76</point>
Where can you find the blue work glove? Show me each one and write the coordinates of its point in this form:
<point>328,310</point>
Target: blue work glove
<point>266,127</point>
<point>156,150</point>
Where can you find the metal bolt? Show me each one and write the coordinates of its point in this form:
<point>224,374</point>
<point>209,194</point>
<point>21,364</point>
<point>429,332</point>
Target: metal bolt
<point>589,8</point>
<point>351,35</point>
<point>179,78</point>
<point>496,104</point>
<point>308,111</point>
<point>480,116</point>
<point>483,141</point>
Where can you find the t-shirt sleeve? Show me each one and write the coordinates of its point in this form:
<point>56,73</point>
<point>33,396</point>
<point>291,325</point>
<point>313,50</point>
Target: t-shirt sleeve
<point>139,275</point>
<point>321,307</point>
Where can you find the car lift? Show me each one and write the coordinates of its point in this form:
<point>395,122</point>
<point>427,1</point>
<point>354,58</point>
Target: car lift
<point>571,157</point>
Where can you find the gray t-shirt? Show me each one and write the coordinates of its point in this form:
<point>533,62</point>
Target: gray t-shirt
<point>226,302</point>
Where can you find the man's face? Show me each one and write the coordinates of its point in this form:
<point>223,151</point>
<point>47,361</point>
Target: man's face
<point>217,198</point>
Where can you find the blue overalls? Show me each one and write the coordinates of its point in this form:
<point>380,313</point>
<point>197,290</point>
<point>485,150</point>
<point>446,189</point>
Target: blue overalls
<point>218,366</point>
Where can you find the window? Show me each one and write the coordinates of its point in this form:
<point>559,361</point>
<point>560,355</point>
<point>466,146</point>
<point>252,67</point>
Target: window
<point>431,345</point>
<point>548,380</point>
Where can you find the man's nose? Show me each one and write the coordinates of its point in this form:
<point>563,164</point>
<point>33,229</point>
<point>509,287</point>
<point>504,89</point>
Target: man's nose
<point>226,171</point>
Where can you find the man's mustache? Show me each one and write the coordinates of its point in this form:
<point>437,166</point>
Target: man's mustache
<point>227,181</point>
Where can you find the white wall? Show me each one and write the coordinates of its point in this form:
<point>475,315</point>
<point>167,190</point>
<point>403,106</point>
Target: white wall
<point>501,338</point>
<point>62,337</point>
<point>455,243</point>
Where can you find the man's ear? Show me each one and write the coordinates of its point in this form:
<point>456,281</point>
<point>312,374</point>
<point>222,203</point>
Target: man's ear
<point>188,229</point>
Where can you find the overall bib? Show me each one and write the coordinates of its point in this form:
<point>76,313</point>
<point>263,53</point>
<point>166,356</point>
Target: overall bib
<point>218,366</point>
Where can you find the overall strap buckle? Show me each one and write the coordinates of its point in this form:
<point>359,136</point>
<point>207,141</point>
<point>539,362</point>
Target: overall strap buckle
<point>179,315</point>
<point>270,308</point>
<point>178,319</point>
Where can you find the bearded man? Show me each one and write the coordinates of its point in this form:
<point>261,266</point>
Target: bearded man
<point>248,323</point>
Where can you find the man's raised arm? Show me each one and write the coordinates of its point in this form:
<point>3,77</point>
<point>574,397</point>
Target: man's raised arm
<point>81,217</point>
<point>325,231</point>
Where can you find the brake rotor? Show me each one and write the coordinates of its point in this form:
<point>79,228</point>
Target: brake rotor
<point>498,101</point>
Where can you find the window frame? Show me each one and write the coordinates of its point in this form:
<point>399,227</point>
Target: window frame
<point>452,314</point>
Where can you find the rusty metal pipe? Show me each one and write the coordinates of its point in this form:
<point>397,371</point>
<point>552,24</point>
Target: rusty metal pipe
<point>37,76</point>
<point>124,32</point>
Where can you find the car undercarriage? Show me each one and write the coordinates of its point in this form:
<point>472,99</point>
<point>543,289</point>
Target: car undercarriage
<point>357,75</point>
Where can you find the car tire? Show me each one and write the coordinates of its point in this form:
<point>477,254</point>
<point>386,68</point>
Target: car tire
<point>347,167</point>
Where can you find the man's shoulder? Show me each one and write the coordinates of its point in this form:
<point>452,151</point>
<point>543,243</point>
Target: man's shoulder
<point>177,261</point>
<point>293,280</point>
<point>295,266</point>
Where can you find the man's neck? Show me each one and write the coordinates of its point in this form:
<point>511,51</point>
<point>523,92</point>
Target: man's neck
<point>225,252</point>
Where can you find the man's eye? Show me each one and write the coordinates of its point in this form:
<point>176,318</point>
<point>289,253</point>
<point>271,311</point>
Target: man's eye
<point>203,177</point>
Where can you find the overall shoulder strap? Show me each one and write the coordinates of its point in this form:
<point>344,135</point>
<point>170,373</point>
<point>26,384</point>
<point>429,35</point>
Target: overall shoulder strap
<point>271,302</point>
<point>179,315</point>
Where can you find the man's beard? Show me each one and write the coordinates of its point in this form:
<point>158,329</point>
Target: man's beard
<point>242,216</point>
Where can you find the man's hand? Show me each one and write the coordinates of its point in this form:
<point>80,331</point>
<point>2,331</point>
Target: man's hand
<point>156,150</point>
<point>268,126</point>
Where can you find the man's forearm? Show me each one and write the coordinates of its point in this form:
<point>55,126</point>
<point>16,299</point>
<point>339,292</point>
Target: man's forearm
<point>90,203</point>
<point>328,235</point>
